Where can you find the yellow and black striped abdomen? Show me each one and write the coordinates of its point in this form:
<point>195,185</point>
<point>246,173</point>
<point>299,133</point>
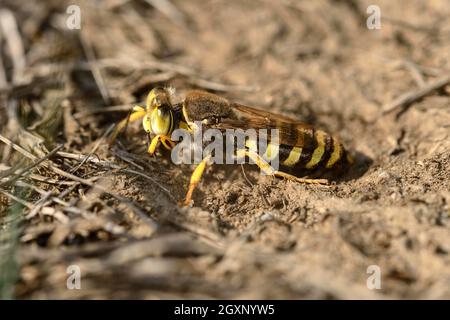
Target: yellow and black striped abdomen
<point>313,149</point>
<point>316,149</point>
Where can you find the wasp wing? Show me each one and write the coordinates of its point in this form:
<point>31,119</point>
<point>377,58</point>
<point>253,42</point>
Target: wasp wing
<point>291,132</point>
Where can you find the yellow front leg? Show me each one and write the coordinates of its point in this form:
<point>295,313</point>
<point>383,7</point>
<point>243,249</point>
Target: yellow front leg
<point>195,179</point>
<point>138,113</point>
<point>165,140</point>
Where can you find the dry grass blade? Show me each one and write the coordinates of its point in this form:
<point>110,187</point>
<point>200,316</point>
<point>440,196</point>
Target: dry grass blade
<point>404,100</point>
<point>28,168</point>
<point>3,80</point>
<point>91,111</point>
<point>96,72</point>
<point>111,165</point>
<point>13,39</point>
<point>170,10</point>
<point>49,165</point>
<point>189,73</point>
<point>36,177</point>
<point>94,149</point>
<point>17,148</point>
<point>217,86</point>
<point>17,199</point>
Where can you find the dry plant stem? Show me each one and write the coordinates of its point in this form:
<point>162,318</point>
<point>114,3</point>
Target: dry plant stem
<point>17,199</point>
<point>23,184</point>
<point>10,31</point>
<point>203,234</point>
<point>96,72</point>
<point>111,165</point>
<point>252,186</point>
<point>6,171</point>
<point>407,98</point>
<point>170,10</point>
<point>3,80</point>
<point>123,107</point>
<point>39,205</point>
<point>89,183</point>
<point>124,157</point>
<point>166,66</point>
<point>143,65</point>
<point>36,208</point>
<point>13,39</point>
<point>415,73</point>
<point>96,146</point>
<point>43,202</point>
<point>17,148</point>
<point>217,86</point>
<point>28,168</point>
<point>66,207</point>
<point>413,27</point>
<point>43,179</point>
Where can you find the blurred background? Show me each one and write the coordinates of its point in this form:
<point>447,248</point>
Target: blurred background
<point>80,221</point>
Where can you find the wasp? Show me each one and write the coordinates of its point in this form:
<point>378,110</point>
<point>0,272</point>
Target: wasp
<point>301,148</point>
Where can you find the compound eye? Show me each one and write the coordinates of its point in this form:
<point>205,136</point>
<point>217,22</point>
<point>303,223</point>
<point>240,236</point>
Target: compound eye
<point>153,98</point>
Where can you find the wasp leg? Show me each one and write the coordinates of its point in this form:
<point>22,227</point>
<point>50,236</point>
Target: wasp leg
<point>165,140</point>
<point>300,180</point>
<point>267,168</point>
<point>153,145</point>
<point>138,113</point>
<point>195,179</point>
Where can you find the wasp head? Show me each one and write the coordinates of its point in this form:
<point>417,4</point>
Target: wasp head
<point>159,112</point>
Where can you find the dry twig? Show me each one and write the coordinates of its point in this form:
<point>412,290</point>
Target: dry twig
<point>404,100</point>
<point>28,168</point>
<point>88,182</point>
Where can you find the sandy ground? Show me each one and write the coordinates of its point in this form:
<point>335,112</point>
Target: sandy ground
<point>248,235</point>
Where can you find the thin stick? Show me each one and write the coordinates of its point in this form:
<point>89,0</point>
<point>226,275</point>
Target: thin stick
<point>3,78</point>
<point>96,72</point>
<point>17,148</point>
<point>123,107</point>
<point>205,235</point>
<point>151,179</point>
<point>28,168</point>
<point>21,201</point>
<point>252,186</point>
<point>43,179</point>
<point>11,32</point>
<point>39,205</point>
<point>415,73</point>
<point>96,146</point>
<point>245,177</point>
<point>170,10</point>
<point>123,157</point>
<point>217,86</point>
<point>49,165</point>
<point>111,165</point>
<point>184,71</point>
<point>410,26</point>
<point>404,100</point>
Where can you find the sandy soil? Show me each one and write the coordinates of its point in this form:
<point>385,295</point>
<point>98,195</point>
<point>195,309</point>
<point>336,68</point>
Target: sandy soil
<point>248,235</point>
